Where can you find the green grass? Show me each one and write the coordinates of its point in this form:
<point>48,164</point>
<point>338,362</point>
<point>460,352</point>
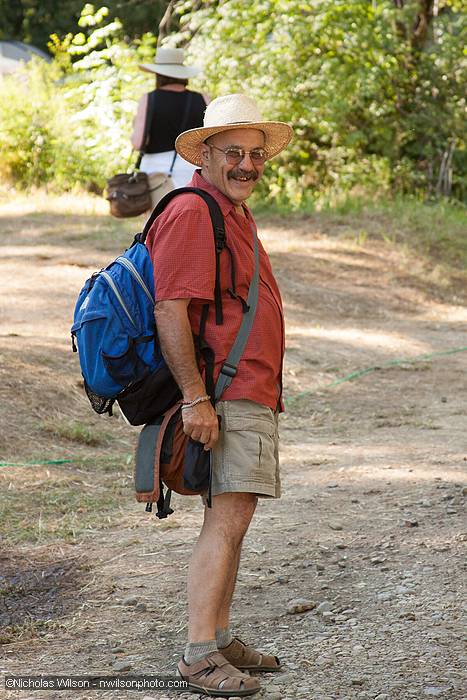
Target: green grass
<point>39,505</point>
<point>76,431</point>
<point>434,230</point>
<point>29,629</point>
<point>437,230</point>
<point>49,216</point>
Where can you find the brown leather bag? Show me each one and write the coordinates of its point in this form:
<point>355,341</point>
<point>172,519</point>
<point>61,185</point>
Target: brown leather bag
<point>135,193</point>
<point>129,194</point>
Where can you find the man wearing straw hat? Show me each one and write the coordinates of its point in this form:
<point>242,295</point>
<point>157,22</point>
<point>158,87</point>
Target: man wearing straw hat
<point>231,149</point>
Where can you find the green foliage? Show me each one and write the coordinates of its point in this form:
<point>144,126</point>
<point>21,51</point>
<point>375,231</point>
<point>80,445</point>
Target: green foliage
<point>97,92</point>
<point>372,89</point>
<point>33,21</point>
<point>36,144</point>
<point>361,85</point>
<point>69,123</point>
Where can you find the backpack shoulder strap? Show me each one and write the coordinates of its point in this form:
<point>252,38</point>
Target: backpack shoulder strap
<point>217,221</point>
<point>214,211</point>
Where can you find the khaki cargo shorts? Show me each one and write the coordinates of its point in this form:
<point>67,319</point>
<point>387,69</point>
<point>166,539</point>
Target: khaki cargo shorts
<point>246,456</point>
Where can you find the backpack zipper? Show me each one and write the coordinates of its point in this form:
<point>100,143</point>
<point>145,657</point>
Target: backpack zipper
<point>114,288</point>
<point>134,272</point>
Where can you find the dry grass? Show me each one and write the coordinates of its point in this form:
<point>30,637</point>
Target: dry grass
<point>43,504</point>
<point>63,238</point>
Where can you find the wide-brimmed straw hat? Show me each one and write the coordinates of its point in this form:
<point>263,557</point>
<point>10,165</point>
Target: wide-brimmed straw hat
<point>227,113</point>
<point>169,62</point>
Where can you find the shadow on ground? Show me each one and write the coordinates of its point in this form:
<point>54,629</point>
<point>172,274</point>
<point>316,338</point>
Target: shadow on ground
<point>36,591</point>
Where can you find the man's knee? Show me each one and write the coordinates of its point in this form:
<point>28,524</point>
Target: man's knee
<point>231,514</point>
<point>241,508</point>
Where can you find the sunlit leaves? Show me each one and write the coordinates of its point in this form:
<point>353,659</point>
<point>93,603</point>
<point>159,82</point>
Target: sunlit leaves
<point>91,18</point>
<point>344,72</point>
<point>93,85</point>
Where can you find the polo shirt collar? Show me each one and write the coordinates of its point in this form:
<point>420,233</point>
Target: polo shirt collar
<point>226,204</point>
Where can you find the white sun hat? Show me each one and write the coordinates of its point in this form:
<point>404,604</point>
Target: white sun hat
<point>169,62</point>
<point>232,112</point>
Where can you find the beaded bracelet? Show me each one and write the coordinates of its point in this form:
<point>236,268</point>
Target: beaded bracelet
<point>195,402</point>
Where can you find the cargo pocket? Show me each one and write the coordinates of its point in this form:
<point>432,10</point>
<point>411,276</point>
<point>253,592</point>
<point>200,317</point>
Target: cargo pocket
<point>249,454</point>
<point>267,457</point>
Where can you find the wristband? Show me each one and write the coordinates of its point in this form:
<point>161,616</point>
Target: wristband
<point>195,402</point>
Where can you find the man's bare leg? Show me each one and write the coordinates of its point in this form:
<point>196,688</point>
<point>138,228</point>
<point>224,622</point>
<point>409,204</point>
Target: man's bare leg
<point>214,563</point>
<point>223,619</point>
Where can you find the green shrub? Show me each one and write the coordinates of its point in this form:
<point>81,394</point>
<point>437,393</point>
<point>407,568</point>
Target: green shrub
<point>36,146</point>
<point>376,106</point>
<point>68,123</point>
<point>372,99</point>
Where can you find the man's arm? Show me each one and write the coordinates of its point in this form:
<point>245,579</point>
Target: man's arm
<point>139,122</point>
<point>176,339</point>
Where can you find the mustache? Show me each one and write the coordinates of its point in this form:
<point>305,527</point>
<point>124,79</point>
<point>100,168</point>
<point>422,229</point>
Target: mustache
<point>248,174</point>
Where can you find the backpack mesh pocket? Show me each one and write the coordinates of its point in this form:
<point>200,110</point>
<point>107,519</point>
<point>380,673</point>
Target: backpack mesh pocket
<point>99,403</point>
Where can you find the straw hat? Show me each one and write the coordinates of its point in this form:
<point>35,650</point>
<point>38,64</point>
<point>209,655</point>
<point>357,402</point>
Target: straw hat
<point>232,112</point>
<point>169,62</point>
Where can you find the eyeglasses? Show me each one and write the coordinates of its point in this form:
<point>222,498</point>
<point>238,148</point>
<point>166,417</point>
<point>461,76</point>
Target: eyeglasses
<point>234,155</point>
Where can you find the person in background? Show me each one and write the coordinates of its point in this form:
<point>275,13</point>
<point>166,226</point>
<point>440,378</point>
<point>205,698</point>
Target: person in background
<point>170,115</point>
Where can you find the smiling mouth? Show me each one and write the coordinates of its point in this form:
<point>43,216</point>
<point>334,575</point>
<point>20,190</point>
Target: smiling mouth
<point>243,177</point>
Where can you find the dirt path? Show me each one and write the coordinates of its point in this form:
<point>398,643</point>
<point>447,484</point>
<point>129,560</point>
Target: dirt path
<point>371,526</point>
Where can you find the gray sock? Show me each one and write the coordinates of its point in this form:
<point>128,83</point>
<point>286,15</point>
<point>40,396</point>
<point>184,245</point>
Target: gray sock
<point>224,637</point>
<point>195,651</point>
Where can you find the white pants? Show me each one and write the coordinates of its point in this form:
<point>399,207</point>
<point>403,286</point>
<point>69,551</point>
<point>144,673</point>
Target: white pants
<point>161,162</point>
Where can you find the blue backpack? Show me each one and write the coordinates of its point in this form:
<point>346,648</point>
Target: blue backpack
<point>114,329</point>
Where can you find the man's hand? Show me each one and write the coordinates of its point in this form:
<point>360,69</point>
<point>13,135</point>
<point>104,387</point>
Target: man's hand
<point>201,424</point>
<point>176,339</point>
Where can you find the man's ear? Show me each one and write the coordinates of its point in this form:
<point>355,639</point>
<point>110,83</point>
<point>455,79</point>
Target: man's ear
<point>204,151</point>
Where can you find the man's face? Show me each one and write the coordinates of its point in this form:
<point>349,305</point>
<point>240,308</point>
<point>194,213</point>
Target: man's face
<point>236,181</point>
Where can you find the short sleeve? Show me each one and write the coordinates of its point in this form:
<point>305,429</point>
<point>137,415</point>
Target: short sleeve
<point>183,254</point>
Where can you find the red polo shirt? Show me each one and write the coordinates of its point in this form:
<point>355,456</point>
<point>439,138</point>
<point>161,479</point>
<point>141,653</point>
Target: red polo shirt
<point>181,243</point>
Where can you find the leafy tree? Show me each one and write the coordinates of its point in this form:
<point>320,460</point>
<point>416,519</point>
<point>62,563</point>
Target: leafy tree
<point>373,89</point>
<point>32,21</point>
<point>70,122</point>
<point>37,146</point>
<point>138,17</point>
<point>101,86</point>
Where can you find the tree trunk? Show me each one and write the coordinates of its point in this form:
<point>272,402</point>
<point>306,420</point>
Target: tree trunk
<point>423,21</point>
<point>444,184</point>
<point>165,23</point>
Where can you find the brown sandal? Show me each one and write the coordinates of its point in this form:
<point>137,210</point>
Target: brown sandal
<point>214,676</point>
<point>246,658</point>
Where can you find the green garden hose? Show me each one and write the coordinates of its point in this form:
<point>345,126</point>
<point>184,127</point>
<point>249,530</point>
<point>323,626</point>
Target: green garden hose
<point>392,363</point>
